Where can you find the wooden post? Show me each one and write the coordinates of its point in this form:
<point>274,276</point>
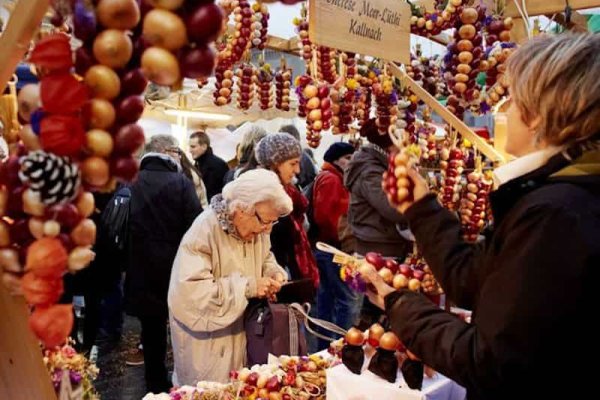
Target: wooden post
<point>518,33</point>
<point>22,371</point>
<point>14,42</point>
<point>450,118</point>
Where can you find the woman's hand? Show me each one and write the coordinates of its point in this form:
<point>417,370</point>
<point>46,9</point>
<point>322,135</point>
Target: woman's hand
<point>267,287</point>
<point>419,190</point>
<point>377,289</point>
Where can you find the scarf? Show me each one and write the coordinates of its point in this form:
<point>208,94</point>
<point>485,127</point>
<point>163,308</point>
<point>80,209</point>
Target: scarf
<point>221,208</point>
<point>302,250</point>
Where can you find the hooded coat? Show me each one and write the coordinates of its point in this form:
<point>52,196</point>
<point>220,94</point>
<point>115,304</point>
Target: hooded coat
<point>372,219</point>
<point>214,275</point>
<point>163,206</point>
<point>532,286</point>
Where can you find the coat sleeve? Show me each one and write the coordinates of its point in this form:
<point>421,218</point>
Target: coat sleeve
<point>197,299</point>
<point>330,202</point>
<point>271,268</point>
<point>452,260</point>
<point>371,190</point>
<point>518,314</point>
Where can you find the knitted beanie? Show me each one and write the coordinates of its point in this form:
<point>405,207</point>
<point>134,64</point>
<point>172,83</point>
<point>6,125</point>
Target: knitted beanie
<point>337,151</point>
<point>277,148</point>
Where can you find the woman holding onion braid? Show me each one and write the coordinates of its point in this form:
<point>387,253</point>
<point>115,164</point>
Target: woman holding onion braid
<point>532,285</point>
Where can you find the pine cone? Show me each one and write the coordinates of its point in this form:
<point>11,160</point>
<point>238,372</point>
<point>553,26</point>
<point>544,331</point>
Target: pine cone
<point>55,178</point>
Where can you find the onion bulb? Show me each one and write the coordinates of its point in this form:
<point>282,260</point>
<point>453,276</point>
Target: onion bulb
<point>103,82</point>
<point>355,337</point>
<point>166,4</point>
<point>79,258</point>
<point>85,204</point>
<point>99,142</point>
<point>84,234</point>
<point>36,227</point>
<point>113,48</point>
<point>164,29</point>
<point>99,113</point>
<point>160,66</point>
<point>389,341</point>
<point>118,14</point>
<point>9,260</point>
<point>95,171</point>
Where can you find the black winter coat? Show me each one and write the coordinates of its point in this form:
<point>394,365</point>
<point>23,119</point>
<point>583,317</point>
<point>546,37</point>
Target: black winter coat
<point>213,171</point>
<point>532,287</point>
<point>163,206</point>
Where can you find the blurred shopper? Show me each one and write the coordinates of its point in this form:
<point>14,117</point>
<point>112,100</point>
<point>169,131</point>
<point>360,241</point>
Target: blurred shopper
<point>336,302</point>
<point>163,206</point>
<point>280,153</point>
<point>190,170</point>
<point>212,168</point>
<point>224,260</point>
<point>245,150</point>
<point>308,169</point>
<point>532,283</point>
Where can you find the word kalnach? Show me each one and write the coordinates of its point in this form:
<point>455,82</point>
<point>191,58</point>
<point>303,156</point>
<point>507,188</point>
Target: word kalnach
<point>363,29</point>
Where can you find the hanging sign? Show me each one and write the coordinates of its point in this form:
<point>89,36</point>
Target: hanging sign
<point>378,28</point>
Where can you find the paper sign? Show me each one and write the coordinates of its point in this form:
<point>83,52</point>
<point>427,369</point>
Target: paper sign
<point>378,28</point>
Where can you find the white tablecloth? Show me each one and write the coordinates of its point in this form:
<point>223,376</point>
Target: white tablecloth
<point>344,385</point>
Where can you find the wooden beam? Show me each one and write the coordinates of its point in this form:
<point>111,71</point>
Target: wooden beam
<point>450,118</point>
<point>518,33</point>
<point>14,42</point>
<point>22,371</point>
<point>543,7</point>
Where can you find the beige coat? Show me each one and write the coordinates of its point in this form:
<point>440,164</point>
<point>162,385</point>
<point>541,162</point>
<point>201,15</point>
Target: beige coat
<point>213,276</point>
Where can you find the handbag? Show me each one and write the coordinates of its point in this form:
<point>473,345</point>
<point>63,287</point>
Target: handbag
<point>271,328</point>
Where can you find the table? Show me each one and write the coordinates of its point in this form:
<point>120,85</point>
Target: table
<point>344,385</point>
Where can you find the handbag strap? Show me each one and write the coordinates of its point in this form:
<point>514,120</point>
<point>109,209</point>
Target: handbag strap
<point>301,313</point>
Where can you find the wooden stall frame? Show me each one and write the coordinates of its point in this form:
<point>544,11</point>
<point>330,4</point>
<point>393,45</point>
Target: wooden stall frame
<point>466,132</point>
<point>22,371</point>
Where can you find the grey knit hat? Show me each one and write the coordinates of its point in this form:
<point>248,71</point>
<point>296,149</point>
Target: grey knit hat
<point>277,148</point>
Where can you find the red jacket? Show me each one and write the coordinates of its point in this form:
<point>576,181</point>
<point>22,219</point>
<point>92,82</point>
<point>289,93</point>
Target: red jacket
<point>330,202</point>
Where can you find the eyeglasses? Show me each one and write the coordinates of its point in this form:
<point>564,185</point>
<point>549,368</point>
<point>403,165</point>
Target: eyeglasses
<point>263,222</point>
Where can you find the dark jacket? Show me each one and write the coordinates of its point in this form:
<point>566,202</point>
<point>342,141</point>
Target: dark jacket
<point>532,286</point>
<point>308,172</point>
<point>372,219</point>
<point>213,171</point>
<point>163,206</point>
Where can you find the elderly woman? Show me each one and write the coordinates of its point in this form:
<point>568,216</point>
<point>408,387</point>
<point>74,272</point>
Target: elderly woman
<point>532,285</point>
<point>224,260</point>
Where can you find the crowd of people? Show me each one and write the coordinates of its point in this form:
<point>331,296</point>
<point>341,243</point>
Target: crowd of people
<point>205,242</point>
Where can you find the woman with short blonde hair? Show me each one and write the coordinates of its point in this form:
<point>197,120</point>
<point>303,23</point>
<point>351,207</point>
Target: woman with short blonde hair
<point>532,283</point>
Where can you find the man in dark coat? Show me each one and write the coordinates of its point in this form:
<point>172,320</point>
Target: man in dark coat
<point>213,168</point>
<point>163,206</point>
